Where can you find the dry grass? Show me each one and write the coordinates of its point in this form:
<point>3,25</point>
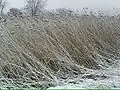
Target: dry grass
<point>33,50</point>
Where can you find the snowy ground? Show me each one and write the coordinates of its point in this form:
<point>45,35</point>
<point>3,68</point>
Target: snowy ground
<point>108,78</point>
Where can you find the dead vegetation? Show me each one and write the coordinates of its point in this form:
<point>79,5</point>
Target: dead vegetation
<point>34,49</point>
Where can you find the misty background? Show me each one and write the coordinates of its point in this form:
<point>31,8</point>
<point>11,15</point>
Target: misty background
<point>75,4</point>
<point>109,6</point>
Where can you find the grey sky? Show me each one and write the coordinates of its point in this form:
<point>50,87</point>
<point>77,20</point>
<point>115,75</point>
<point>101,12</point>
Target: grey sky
<point>76,4</point>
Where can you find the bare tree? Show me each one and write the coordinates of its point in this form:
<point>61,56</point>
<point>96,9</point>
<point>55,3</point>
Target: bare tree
<point>2,6</point>
<point>35,6</point>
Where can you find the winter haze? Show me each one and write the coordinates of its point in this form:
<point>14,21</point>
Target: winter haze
<point>76,4</point>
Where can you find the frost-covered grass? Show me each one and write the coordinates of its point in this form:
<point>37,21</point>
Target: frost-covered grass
<point>38,51</point>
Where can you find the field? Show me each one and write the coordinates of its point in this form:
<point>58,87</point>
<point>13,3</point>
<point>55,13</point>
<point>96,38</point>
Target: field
<point>57,49</point>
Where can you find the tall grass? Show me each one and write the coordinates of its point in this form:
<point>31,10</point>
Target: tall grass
<point>34,49</point>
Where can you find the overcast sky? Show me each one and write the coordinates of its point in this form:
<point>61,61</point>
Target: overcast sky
<point>75,4</point>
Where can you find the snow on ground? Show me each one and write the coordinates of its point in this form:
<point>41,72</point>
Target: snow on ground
<point>108,78</point>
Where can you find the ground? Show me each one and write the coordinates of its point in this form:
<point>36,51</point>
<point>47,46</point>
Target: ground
<point>108,78</point>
